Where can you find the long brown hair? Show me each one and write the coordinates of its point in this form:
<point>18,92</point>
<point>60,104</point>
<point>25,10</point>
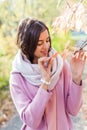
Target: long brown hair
<point>28,34</point>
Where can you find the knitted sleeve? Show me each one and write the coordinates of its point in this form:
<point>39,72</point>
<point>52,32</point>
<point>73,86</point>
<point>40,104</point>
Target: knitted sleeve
<point>73,92</point>
<point>31,110</point>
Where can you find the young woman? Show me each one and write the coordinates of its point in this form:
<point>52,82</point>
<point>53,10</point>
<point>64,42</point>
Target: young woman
<point>45,90</point>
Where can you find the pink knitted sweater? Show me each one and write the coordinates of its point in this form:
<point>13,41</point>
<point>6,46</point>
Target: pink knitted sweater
<point>32,102</point>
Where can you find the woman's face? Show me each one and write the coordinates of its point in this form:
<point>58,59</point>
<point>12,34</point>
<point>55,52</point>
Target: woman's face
<point>42,46</point>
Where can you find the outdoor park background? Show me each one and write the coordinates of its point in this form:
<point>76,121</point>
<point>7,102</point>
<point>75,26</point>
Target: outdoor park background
<point>12,11</point>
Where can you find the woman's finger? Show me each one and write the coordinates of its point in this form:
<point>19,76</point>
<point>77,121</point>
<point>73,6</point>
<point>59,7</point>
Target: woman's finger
<point>84,57</point>
<point>81,54</point>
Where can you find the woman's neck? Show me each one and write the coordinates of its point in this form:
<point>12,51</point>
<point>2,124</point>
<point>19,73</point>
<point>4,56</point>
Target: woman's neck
<point>35,61</point>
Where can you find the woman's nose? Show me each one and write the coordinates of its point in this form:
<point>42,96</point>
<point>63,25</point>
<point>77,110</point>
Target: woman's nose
<point>46,45</point>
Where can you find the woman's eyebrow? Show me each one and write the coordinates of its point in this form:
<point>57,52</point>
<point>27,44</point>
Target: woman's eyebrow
<point>40,40</point>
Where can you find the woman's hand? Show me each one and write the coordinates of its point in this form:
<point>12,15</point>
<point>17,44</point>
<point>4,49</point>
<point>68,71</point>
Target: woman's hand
<point>77,66</point>
<point>45,67</point>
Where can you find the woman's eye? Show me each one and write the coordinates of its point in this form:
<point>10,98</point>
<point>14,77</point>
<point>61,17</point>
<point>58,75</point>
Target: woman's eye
<point>40,43</point>
<point>48,41</point>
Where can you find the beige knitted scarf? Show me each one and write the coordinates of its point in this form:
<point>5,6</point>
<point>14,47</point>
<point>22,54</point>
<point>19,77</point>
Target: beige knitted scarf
<point>32,73</point>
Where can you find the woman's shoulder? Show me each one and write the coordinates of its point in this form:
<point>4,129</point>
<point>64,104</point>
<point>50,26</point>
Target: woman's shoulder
<point>16,78</point>
<point>19,84</point>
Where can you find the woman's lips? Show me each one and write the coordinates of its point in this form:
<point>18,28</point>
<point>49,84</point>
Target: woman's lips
<point>44,53</point>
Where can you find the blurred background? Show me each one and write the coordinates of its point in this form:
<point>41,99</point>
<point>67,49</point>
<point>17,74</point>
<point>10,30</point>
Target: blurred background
<point>66,19</point>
